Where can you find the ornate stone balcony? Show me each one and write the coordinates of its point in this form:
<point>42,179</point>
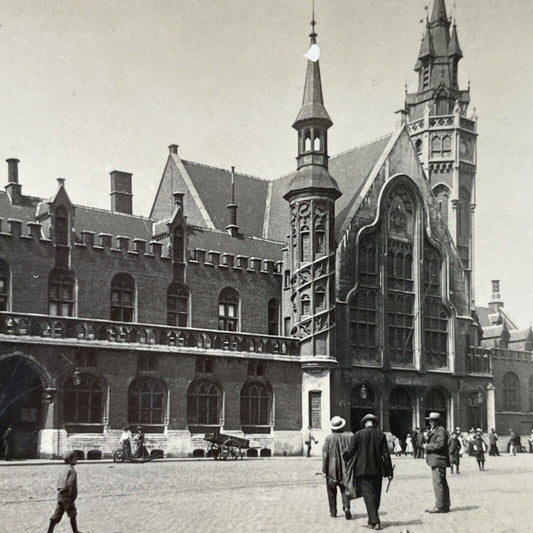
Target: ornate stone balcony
<point>512,355</point>
<point>27,327</point>
<point>478,360</point>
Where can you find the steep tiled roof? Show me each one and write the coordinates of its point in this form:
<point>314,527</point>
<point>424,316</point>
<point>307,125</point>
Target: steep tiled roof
<point>517,335</point>
<point>24,212</point>
<point>486,316</point>
<point>350,169</point>
<point>491,332</point>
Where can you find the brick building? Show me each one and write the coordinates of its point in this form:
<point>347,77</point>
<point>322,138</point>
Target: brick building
<point>259,307</point>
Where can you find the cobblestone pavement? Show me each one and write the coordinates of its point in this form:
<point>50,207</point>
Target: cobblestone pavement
<point>255,495</point>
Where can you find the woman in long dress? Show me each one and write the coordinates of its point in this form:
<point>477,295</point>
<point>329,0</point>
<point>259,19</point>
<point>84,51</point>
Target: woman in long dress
<point>141,452</point>
<point>397,446</point>
<point>409,445</point>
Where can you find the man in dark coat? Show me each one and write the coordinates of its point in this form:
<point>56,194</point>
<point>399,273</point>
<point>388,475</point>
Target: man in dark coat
<point>338,445</point>
<point>372,464</point>
<point>420,445</point>
<point>414,441</point>
<point>453,449</point>
<point>438,458</point>
<point>7,439</point>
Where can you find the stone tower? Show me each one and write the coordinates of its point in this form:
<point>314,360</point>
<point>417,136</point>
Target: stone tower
<point>444,137</point>
<point>311,258</point>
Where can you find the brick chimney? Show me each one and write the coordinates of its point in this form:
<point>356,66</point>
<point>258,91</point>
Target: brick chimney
<point>121,195</point>
<point>232,227</point>
<point>13,187</point>
<point>496,302</point>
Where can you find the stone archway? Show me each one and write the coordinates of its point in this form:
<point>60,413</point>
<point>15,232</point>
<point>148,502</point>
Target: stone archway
<point>21,392</point>
<point>438,401</point>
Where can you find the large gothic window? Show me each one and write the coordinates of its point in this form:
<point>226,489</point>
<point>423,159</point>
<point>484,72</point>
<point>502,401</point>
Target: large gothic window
<point>255,404</point>
<point>61,292</point>
<point>146,400</point>
<point>511,392</point>
<point>203,403</point>
<point>4,285</point>
<point>177,305</point>
<point>122,298</point>
<point>228,310</point>
<point>435,323</point>
<point>363,305</point>
<point>84,401</point>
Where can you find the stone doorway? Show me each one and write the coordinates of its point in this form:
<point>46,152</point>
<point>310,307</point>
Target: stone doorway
<point>400,412</point>
<point>21,391</point>
<point>436,402</point>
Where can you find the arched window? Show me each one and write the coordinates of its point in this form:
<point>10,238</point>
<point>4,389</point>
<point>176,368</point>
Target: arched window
<point>146,400</point>
<point>61,226</point>
<point>307,141</point>
<point>84,403</point>
<point>122,298</point>
<point>442,194</point>
<point>320,298</point>
<point>178,245</point>
<point>436,146</point>
<point>511,392</point>
<point>255,405</point>
<point>203,403</point>
<point>320,241</point>
<point>446,146</point>
<point>177,305</point>
<point>228,310</point>
<point>61,292</point>
<point>4,286</point>
<point>273,317</point>
<point>418,146</point>
<point>305,303</point>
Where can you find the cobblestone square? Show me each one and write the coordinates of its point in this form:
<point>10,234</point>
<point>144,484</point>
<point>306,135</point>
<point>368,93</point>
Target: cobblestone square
<point>275,494</point>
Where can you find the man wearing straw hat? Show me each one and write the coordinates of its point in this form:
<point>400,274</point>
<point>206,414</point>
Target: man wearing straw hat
<point>337,447</point>
<point>437,456</point>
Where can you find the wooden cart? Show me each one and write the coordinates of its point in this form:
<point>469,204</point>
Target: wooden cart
<point>225,446</point>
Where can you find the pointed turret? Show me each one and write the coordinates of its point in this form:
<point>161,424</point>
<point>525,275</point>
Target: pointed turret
<point>312,124</point>
<point>439,12</point>
<point>426,48</point>
<point>454,50</point>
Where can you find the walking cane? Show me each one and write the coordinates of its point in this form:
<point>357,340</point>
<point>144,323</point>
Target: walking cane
<point>390,479</point>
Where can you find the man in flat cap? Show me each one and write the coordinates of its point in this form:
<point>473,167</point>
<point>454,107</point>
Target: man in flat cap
<point>372,464</point>
<point>437,456</point>
<point>338,446</point>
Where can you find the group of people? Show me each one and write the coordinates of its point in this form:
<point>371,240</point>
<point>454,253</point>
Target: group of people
<point>127,439</point>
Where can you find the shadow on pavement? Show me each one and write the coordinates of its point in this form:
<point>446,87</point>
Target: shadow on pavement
<point>416,522</point>
<point>465,508</point>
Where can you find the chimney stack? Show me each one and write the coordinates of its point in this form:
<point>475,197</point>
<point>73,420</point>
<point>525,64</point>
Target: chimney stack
<point>173,149</point>
<point>13,187</point>
<point>60,182</point>
<point>178,200</point>
<point>496,302</point>
<point>232,227</point>
<point>121,195</point>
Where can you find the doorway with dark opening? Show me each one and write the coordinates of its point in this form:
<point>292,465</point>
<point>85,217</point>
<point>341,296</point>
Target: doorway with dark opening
<point>400,413</point>
<point>20,406</point>
<point>363,402</point>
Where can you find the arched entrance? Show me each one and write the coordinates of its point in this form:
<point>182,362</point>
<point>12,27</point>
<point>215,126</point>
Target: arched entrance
<point>363,401</point>
<point>436,402</point>
<point>400,412</point>
<point>21,391</point>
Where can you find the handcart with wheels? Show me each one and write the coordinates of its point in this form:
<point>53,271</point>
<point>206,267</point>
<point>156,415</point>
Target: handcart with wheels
<point>225,446</point>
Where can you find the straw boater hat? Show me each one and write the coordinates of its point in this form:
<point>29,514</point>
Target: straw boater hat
<point>367,417</point>
<point>434,416</point>
<point>337,422</point>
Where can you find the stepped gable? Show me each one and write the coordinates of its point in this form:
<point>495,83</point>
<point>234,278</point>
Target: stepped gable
<point>350,170</point>
<point>214,187</point>
<point>24,211</point>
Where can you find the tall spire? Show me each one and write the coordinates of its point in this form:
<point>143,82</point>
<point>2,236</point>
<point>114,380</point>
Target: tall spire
<point>439,12</point>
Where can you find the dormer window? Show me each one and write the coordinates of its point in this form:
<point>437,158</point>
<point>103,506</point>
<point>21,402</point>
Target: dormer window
<point>61,226</point>
<point>178,248</point>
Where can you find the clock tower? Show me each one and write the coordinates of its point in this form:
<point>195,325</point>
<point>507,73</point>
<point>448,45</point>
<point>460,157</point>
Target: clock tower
<point>444,134</point>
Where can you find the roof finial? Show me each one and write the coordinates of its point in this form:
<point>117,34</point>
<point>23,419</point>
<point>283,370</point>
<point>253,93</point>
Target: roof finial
<point>313,24</point>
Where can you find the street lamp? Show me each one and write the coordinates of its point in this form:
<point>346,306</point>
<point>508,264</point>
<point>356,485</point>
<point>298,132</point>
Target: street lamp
<point>479,398</point>
<point>76,376</point>
<point>363,392</point>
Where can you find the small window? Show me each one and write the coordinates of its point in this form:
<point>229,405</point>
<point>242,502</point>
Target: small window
<point>305,303</point>
<point>148,363</point>
<point>305,245</point>
<point>320,298</point>
<point>273,317</point>
<point>86,359</point>
<point>61,292</point>
<point>122,298</point>
<point>320,241</point>
<point>4,286</point>
<point>177,305</point>
<point>315,409</point>
<point>178,245</point>
<point>228,310</point>
<point>204,365</point>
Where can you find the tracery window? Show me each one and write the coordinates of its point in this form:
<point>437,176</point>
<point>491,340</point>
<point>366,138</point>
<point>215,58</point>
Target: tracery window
<point>177,305</point>
<point>228,310</point>
<point>511,392</point>
<point>84,402</point>
<point>255,404</point>
<point>122,298</point>
<point>4,285</point>
<point>61,292</point>
<point>203,403</point>
<point>273,317</point>
<point>146,401</point>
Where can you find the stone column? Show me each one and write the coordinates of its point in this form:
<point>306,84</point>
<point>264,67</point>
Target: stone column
<point>47,445</point>
<point>491,407</point>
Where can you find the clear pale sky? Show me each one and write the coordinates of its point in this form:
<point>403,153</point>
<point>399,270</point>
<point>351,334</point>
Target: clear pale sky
<point>91,86</point>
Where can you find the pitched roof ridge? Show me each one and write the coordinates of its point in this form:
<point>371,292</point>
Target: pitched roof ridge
<point>225,170</point>
<point>27,197</point>
<point>368,143</point>
<point>102,210</point>
<point>252,237</point>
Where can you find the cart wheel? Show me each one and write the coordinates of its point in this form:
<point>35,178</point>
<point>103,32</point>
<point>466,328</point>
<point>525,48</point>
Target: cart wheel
<point>118,456</point>
<point>230,449</point>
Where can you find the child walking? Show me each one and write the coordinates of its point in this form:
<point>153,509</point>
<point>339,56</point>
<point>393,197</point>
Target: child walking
<point>67,486</point>
<point>479,447</point>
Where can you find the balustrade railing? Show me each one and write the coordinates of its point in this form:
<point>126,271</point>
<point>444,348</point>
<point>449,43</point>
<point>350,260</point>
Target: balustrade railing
<point>478,360</point>
<point>88,329</point>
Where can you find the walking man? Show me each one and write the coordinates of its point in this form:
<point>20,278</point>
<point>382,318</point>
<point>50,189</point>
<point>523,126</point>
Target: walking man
<point>338,445</point>
<point>309,439</point>
<point>7,439</point>
<point>67,487</point>
<point>414,440</point>
<point>453,448</point>
<point>372,464</point>
<point>493,439</point>
<point>438,459</point>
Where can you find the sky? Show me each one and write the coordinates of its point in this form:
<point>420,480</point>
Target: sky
<point>92,86</point>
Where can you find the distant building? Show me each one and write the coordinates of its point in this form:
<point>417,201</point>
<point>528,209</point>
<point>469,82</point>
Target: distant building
<point>257,307</point>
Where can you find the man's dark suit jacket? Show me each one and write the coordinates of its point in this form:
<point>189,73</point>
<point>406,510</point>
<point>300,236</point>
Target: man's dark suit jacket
<point>372,457</point>
<point>437,448</point>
